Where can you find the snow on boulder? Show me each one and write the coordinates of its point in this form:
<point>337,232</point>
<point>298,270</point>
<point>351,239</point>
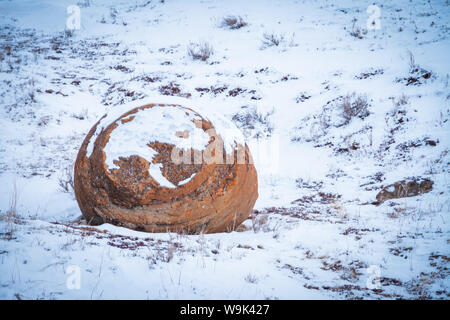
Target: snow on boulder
<point>162,167</point>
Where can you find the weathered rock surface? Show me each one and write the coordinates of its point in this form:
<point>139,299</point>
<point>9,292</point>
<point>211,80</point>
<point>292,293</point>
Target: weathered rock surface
<point>209,187</point>
<point>405,188</point>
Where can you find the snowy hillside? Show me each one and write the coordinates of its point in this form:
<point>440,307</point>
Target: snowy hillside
<point>334,109</point>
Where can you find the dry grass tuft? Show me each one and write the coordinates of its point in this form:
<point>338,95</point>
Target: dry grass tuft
<point>10,217</point>
<point>357,32</point>
<point>354,106</point>
<point>272,39</point>
<point>65,181</point>
<point>200,51</point>
<point>233,22</point>
<point>251,278</point>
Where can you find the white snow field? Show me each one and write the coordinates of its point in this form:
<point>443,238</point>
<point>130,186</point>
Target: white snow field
<point>334,108</point>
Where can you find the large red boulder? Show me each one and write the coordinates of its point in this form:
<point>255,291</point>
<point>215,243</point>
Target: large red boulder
<point>161,168</point>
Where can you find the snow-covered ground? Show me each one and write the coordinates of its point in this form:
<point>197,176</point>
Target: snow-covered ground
<point>284,78</point>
